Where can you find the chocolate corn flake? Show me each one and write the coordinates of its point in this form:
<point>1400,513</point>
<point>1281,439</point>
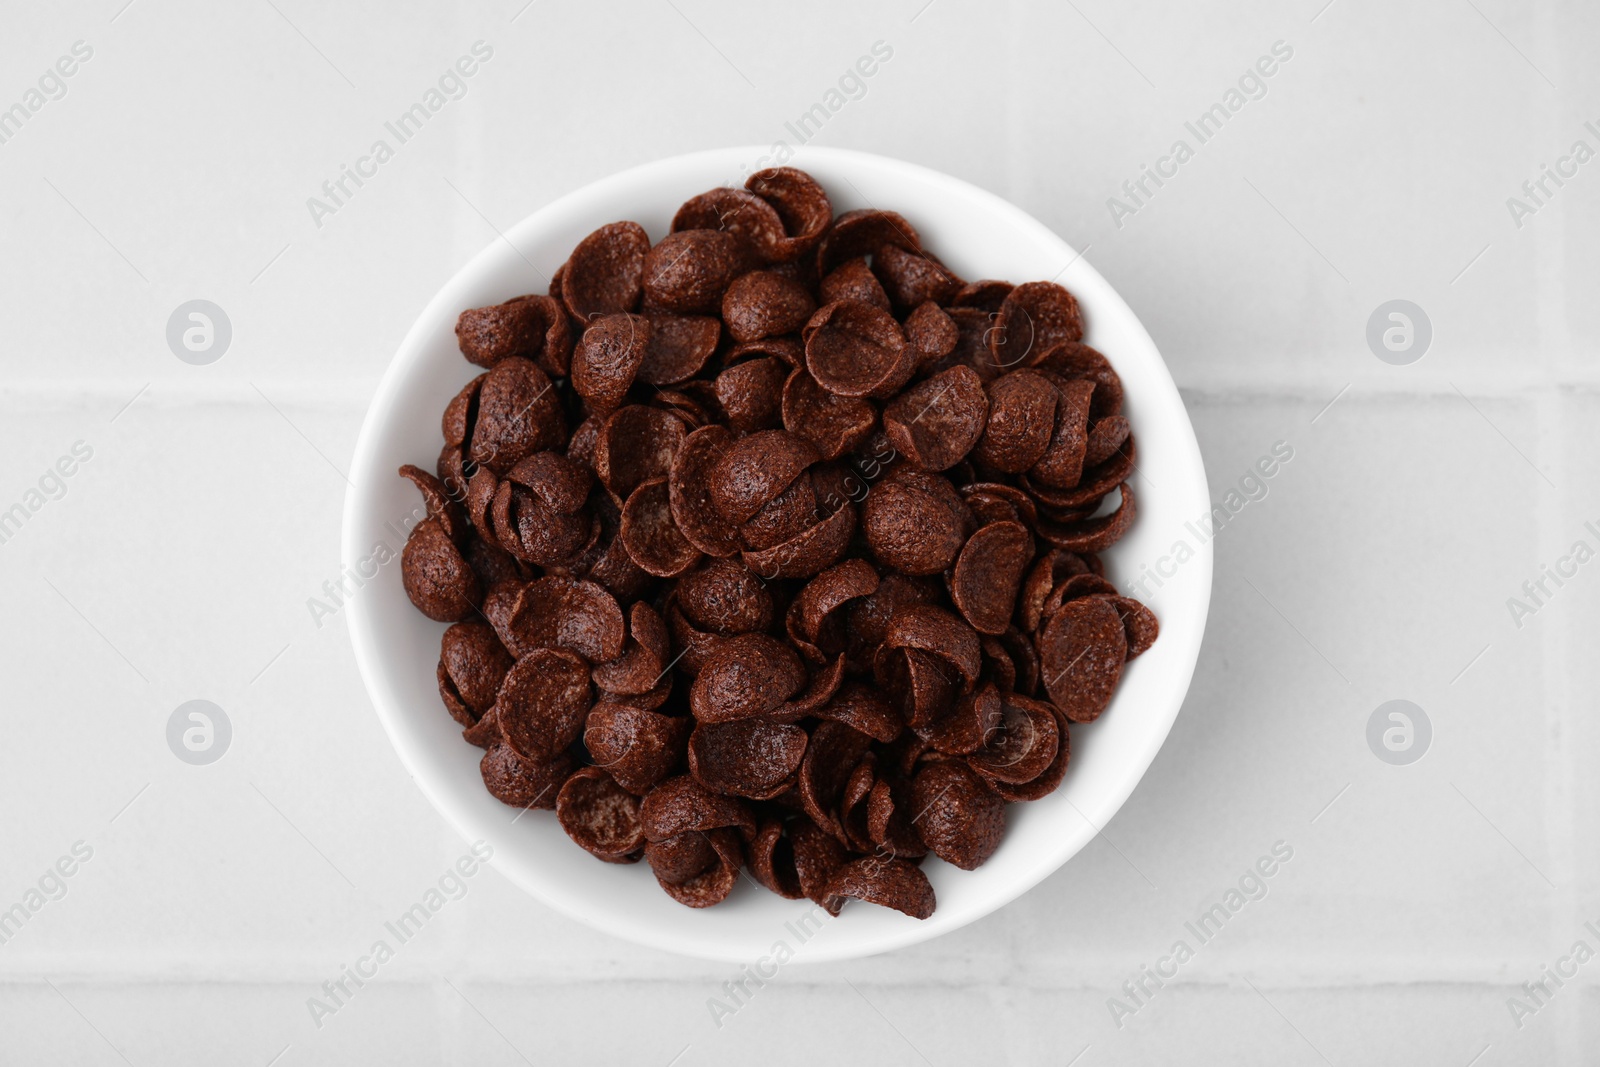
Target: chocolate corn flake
<point>534,327</point>
<point>689,483</point>
<point>765,304</point>
<point>679,805</point>
<point>853,280</point>
<point>922,686</point>
<point>772,861</point>
<point>782,517</point>
<point>754,470</point>
<point>645,656</point>
<point>968,722</point>
<point>690,270</point>
<point>988,575</point>
<point>856,803</point>
<point>936,422</point>
<point>436,575</point>
<point>788,349</point>
<point>1081,652</point>
<point>815,624</point>
<point>573,614</point>
<point>1093,486</point>
<point>723,597</point>
<point>543,702</point>
<point>807,552</point>
<point>517,413</point>
<point>680,857</point>
<point>523,783</point>
<point>749,758</point>
<point>650,535</point>
<point>751,393</point>
<point>1034,318</point>
<point>537,513</point>
<point>636,444</point>
<point>915,522</point>
<point>864,709</point>
<point>817,855</point>
<point>605,273</point>
<point>961,818</point>
<point>776,544</point>
<point>987,294</point>
<point>819,689</point>
<point>472,664</point>
<point>640,747</point>
<point>608,358</point>
<point>800,202</point>
<point>741,213</point>
<point>836,749</point>
<point>1061,464</point>
<point>712,885</point>
<point>601,816</point>
<point>678,348</point>
<point>1106,436</point>
<point>865,232</point>
<point>855,349</point>
<point>436,497</point>
<point>1092,535</point>
<point>1138,623</point>
<point>1050,778</point>
<point>835,425</point>
<point>1021,745</point>
<point>891,883</point>
<point>932,334</point>
<point>912,279</point>
<point>1022,419</point>
<point>940,633</point>
<point>1073,359</point>
<point>747,676</point>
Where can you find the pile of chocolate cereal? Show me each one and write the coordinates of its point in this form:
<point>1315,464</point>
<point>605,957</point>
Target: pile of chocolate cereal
<point>776,545</point>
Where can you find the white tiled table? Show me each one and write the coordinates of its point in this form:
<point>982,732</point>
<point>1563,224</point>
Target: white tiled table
<point>179,560</point>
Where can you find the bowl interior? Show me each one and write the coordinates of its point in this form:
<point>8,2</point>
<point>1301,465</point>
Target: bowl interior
<point>979,236</point>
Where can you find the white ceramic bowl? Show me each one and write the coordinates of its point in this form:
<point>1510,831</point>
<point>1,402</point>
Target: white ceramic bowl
<point>979,236</point>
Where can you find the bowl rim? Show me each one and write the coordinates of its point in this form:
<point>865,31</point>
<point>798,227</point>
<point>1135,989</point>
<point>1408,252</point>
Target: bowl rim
<point>370,656</point>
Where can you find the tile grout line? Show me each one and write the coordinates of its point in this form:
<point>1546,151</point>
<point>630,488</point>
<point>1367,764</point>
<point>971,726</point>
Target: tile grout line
<point>1333,973</point>
<point>1557,818</point>
<point>1560,788</point>
<point>1559,825</point>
